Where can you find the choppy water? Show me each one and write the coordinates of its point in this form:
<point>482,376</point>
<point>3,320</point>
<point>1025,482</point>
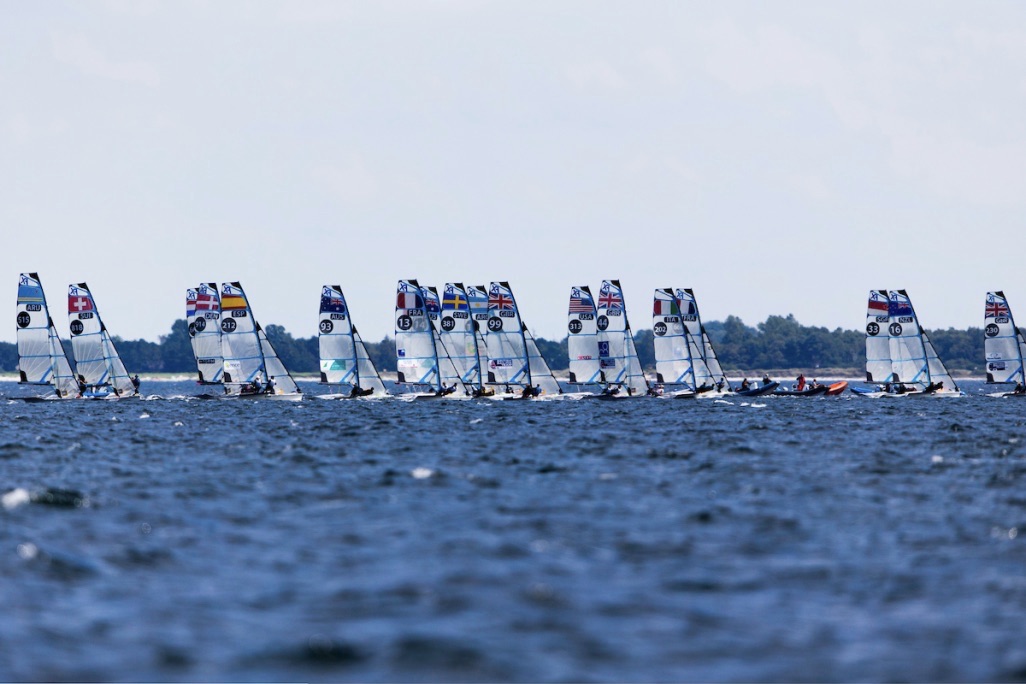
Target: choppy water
<point>785,539</point>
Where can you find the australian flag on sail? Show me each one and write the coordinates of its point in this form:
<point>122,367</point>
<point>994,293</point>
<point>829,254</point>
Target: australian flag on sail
<point>578,304</point>
<point>331,302</point>
<point>995,308</point>
<point>898,307</point>
<point>431,304</point>
<point>454,300</point>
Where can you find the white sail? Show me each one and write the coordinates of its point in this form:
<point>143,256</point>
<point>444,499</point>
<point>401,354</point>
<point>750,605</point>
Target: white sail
<point>96,359</point>
<point>203,314</point>
<point>416,357</point>
<point>618,356</point>
<point>1003,343</point>
<point>507,346</point>
<point>449,374</point>
<point>707,366</point>
<point>459,337</point>
<point>582,342</point>
<point>670,341</point>
<point>939,375</point>
<point>335,339</point>
<point>541,374</point>
<point>878,344</point>
<point>366,371</point>
<point>908,353</point>
<point>477,297</point>
<point>41,357</point>
<point>277,374</point>
<point>248,355</point>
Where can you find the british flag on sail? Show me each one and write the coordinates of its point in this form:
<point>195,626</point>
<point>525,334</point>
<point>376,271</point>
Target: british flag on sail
<point>499,300</point>
<point>610,297</point>
<point>995,307</point>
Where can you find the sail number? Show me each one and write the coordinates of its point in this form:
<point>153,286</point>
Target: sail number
<point>895,329</point>
<point>76,327</point>
<point>575,326</point>
<point>990,331</point>
<point>326,327</point>
<point>659,329</point>
<point>228,325</point>
<point>872,329</point>
<point>404,322</point>
<point>24,319</point>
<point>448,324</point>
<point>199,326</point>
<point>602,323</point>
<point>495,324</point>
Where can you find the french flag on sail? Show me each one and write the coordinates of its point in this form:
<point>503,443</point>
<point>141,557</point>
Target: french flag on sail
<point>408,300</point>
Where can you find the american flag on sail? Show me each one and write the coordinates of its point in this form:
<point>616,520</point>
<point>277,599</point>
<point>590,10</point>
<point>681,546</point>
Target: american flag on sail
<point>995,308</point>
<point>498,300</point>
<point>578,303</point>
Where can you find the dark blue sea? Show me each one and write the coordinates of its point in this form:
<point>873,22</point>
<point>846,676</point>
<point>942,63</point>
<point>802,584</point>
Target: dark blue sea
<point>779,539</point>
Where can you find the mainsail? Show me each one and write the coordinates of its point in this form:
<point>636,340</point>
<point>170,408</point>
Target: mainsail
<point>203,313</point>
<point>343,355</point>
<point>96,360</point>
<point>706,366</point>
<point>450,375</point>
<point>41,357</point>
<point>582,343</point>
<point>1003,344</point>
<point>878,346</point>
<point>541,374</point>
<point>671,341</point>
<point>456,329</point>
<point>618,356</point>
<point>507,345</point>
<point>477,297</point>
<point>416,357</point>
<point>248,355</point>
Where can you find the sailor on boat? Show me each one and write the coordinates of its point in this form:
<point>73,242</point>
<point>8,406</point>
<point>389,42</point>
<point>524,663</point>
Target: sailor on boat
<point>269,387</point>
<point>766,379</point>
<point>745,384</point>
<point>135,382</point>
<point>800,382</point>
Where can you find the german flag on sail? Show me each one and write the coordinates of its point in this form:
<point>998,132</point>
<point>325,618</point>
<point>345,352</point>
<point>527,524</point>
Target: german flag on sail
<point>232,301</point>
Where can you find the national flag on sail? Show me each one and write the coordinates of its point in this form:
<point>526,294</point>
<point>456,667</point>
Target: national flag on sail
<point>898,307</point>
<point>498,300</point>
<point>666,307</point>
<point>408,300</point>
<point>995,308</point>
<point>610,299</point>
<point>878,303</point>
<point>230,301</point>
<point>29,290</point>
<point>79,303</point>
<point>454,300</point>
<point>331,302</point>
<point>578,303</point>
<point>190,303</point>
<point>431,303</point>
<point>206,300</point>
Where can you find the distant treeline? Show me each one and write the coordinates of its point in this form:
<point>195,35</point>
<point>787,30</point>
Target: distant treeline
<point>779,342</point>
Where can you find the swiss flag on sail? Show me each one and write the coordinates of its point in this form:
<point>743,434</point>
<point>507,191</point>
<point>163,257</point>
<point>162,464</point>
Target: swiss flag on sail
<point>78,304</point>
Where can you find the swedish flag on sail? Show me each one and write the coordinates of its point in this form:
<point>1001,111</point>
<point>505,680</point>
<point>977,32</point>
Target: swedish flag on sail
<point>454,300</point>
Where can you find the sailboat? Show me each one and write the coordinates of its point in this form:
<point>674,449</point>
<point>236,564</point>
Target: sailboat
<point>514,359</point>
<point>914,367</point>
<point>710,380</point>
<point>97,361</point>
<point>203,313</point>
<point>582,343</point>
<point>675,369</point>
<point>461,338</point>
<point>417,345</point>
<point>41,356</point>
<point>1003,345</point>
<point>477,298</point>
<point>343,355</point>
<point>250,360</point>
<point>618,356</point>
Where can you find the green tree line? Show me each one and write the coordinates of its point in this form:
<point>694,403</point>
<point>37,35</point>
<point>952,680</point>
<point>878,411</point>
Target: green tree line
<point>778,342</point>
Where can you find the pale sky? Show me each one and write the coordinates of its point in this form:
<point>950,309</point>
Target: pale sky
<point>777,157</point>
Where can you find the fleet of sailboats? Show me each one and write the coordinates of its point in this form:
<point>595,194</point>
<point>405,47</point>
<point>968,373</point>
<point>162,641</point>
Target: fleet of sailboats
<point>471,341</point>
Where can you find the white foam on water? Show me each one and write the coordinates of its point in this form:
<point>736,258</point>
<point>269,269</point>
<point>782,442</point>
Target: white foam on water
<point>15,498</point>
<point>422,473</point>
